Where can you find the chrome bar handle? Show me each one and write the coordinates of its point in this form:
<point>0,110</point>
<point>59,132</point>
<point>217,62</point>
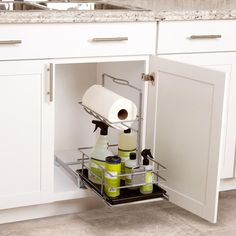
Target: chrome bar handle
<point>6,42</point>
<point>112,39</point>
<point>206,36</point>
<point>51,75</point>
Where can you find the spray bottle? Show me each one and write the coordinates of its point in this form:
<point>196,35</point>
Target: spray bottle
<point>148,188</point>
<point>99,154</point>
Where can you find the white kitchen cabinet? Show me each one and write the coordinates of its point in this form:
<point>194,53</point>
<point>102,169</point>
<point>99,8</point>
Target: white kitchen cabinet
<point>25,177</point>
<point>183,115</point>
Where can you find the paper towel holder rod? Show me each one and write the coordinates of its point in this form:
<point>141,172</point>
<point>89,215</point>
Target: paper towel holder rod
<point>119,81</point>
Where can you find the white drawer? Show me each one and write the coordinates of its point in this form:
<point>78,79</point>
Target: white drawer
<point>76,40</point>
<point>196,36</point>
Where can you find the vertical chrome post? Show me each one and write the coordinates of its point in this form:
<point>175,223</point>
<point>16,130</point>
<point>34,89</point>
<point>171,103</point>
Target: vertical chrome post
<point>51,78</point>
<point>139,128</point>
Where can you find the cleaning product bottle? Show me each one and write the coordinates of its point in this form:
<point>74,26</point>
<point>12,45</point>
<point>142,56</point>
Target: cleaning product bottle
<point>130,166</point>
<point>148,188</point>
<point>127,143</point>
<point>99,154</point>
<point>112,179</point>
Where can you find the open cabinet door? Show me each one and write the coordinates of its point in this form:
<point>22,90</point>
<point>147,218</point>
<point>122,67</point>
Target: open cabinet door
<point>188,133</point>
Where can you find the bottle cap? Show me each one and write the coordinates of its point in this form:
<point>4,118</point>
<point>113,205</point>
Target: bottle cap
<point>145,161</point>
<point>113,160</point>
<point>127,131</point>
<point>132,156</point>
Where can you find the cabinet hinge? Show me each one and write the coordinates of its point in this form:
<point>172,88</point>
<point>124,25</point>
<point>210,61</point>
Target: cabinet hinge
<point>149,77</point>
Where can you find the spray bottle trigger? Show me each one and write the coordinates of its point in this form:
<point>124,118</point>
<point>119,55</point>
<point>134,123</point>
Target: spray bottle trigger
<point>96,125</point>
<point>147,152</point>
<point>103,126</point>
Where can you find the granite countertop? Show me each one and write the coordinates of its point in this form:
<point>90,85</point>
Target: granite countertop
<point>74,17</point>
<point>77,16</point>
<point>173,10</point>
<point>159,10</point>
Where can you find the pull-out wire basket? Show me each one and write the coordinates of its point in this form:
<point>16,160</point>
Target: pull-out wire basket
<point>126,194</point>
<point>80,176</point>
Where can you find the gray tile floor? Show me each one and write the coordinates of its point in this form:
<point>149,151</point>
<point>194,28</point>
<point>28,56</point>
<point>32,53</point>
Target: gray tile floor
<point>159,218</point>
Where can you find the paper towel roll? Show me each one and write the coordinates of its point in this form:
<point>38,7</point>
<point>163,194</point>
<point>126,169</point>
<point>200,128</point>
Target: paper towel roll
<point>110,105</point>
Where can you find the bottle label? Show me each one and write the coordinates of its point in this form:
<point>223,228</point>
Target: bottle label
<point>111,174</point>
<point>95,171</point>
<point>148,179</point>
<point>124,155</point>
<point>112,183</point>
<point>112,190</point>
<point>128,178</point>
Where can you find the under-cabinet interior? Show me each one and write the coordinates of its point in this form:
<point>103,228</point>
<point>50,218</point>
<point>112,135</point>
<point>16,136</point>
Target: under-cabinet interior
<point>73,126</point>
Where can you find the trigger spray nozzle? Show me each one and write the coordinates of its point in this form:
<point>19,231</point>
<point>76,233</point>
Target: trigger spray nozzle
<point>146,154</point>
<point>103,126</point>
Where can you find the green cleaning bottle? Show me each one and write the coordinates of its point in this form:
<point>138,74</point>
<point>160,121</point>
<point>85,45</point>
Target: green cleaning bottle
<point>99,154</point>
<point>112,179</point>
<point>148,188</point>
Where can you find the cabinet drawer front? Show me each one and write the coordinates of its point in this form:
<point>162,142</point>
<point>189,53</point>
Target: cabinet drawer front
<point>32,41</point>
<point>196,36</point>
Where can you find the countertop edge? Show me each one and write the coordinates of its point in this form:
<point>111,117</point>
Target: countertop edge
<point>196,15</point>
<point>76,17</point>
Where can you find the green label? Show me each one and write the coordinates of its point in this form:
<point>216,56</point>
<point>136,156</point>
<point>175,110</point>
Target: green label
<point>128,178</point>
<point>124,155</point>
<point>112,181</point>
<point>148,188</point>
<point>96,172</point>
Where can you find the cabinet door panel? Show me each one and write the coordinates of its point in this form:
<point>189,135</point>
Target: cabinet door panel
<point>20,136</point>
<point>187,133</point>
<point>223,62</point>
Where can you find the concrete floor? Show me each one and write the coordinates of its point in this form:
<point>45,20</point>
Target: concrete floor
<point>157,218</point>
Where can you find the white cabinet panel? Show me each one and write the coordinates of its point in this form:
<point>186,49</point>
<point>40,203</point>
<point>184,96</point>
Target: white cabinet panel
<point>21,131</point>
<point>223,62</point>
<point>188,133</point>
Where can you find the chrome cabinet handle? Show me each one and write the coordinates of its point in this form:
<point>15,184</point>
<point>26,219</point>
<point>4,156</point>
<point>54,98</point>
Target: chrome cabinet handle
<point>2,42</point>
<point>112,39</point>
<point>50,92</point>
<point>206,36</point>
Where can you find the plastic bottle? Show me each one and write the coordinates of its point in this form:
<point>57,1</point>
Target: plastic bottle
<point>148,188</point>
<point>99,154</point>
<point>127,143</point>
<point>130,165</point>
<point>113,168</point>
